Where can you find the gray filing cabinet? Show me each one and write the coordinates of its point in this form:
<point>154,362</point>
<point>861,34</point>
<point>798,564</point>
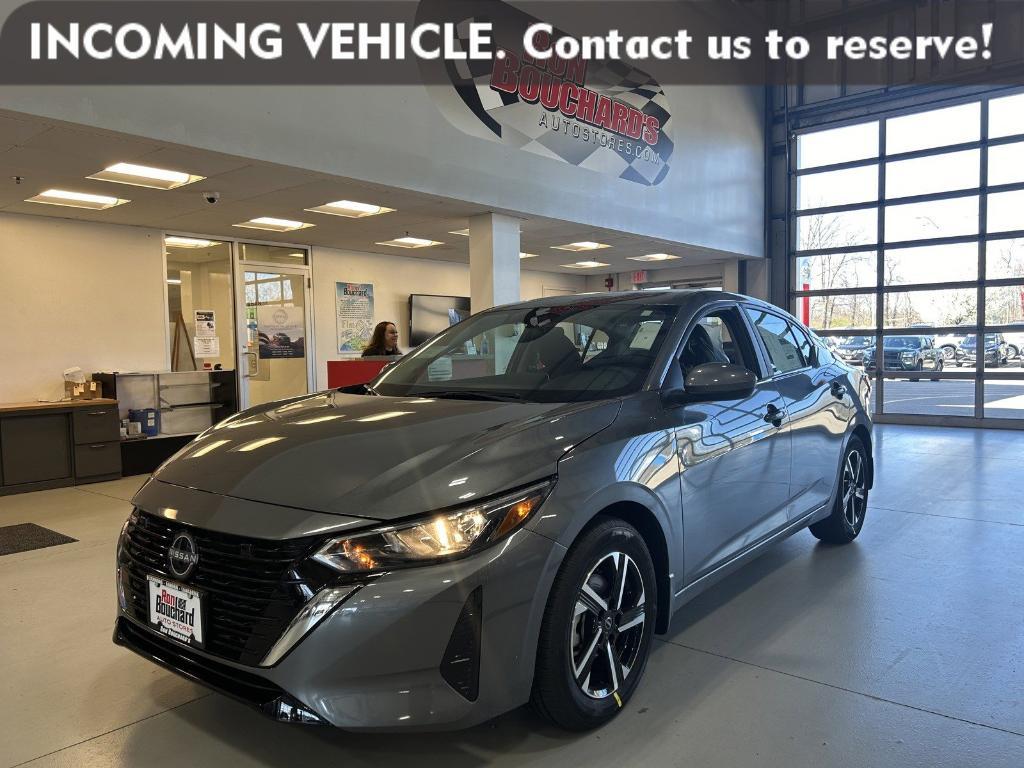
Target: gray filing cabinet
<point>50,445</point>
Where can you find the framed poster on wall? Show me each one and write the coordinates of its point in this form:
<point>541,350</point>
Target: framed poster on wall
<point>354,314</point>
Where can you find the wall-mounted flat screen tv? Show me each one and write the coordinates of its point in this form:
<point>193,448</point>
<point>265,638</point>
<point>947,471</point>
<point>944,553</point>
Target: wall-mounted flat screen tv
<point>429,315</point>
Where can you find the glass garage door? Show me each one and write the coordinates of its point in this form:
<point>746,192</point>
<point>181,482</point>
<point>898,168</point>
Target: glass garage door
<point>907,248</point>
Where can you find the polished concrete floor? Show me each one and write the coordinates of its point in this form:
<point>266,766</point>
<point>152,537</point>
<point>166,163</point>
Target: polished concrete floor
<point>904,649</point>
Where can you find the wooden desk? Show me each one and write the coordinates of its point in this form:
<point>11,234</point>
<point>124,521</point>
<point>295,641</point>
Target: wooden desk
<point>51,445</point>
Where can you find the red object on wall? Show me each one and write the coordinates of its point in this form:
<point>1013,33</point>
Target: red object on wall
<point>805,307</point>
<point>345,373</point>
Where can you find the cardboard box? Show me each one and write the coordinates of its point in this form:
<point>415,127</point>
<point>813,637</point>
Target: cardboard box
<point>89,390</point>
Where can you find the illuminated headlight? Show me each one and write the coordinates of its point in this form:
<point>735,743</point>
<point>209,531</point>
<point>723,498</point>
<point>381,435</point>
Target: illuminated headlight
<point>435,537</point>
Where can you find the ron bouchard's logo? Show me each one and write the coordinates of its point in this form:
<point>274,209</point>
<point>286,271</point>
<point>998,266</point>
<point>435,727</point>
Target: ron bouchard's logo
<point>604,115</point>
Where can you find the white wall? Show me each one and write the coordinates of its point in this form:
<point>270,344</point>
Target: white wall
<point>92,295</point>
<point>394,278</point>
<point>76,293</point>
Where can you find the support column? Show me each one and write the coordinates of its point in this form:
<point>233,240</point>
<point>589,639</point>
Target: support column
<point>493,260</point>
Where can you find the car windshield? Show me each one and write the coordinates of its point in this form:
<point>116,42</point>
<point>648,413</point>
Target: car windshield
<point>858,341</point>
<point>585,351</point>
<point>990,340</point>
<point>903,342</point>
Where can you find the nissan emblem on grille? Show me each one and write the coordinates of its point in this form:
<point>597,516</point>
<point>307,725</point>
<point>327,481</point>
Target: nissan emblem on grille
<point>182,555</point>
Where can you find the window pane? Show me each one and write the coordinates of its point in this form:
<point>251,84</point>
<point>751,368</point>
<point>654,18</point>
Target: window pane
<point>268,292</point>
<point>938,173</point>
<point>1004,258</point>
<point>274,253</point>
<point>1004,305</point>
<point>837,145</point>
<point>199,278</point>
<point>853,185</point>
<point>934,128</point>
<point>931,264</point>
<point>836,230</point>
<point>949,397</point>
<point>904,309</point>
<point>939,218</point>
<point>778,340</point>
<point>1004,399</point>
<point>836,270</point>
<point>1006,163</point>
<point>1006,116</point>
<point>824,313</point>
<point>1006,211</point>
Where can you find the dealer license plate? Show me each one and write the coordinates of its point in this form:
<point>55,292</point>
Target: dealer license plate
<point>176,610</point>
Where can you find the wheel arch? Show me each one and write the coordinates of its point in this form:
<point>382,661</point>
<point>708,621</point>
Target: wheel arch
<point>647,524</point>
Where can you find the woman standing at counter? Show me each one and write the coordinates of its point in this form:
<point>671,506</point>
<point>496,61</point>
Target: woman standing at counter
<point>384,341</point>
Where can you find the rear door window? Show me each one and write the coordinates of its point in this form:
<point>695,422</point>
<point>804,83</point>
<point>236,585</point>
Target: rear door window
<point>779,340</point>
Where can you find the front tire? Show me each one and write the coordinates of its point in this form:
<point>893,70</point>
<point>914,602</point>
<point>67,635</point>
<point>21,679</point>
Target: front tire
<point>847,518</point>
<point>598,628</point>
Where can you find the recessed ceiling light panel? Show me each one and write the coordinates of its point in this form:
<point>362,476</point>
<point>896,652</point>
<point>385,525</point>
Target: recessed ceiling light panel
<point>76,199</point>
<point>410,242</point>
<point>461,232</point>
<point>145,176</point>
<point>351,209</point>
<point>653,257</point>
<point>585,265</point>
<point>524,255</point>
<point>274,225</point>
<point>584,245</point>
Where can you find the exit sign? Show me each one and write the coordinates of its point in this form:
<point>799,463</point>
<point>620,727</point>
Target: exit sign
<point>639,277</point>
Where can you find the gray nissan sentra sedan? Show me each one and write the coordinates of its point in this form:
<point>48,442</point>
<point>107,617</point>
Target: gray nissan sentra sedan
<point>508,514</point>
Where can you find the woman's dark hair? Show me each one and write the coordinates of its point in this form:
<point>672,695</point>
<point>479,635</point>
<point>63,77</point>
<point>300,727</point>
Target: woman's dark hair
<point>377,342</point>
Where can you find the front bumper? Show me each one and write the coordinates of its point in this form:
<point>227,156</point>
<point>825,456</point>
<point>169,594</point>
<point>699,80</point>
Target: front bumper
<point>971,358</point>
<point>375,662</point>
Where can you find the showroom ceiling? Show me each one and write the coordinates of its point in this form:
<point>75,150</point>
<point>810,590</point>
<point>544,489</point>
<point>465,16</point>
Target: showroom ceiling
<point>48,154</point>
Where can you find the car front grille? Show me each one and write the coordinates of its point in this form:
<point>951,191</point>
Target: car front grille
<point>252,587</point>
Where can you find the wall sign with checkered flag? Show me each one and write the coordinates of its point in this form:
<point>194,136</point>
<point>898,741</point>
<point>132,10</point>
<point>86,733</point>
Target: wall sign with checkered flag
<point>606,116</point>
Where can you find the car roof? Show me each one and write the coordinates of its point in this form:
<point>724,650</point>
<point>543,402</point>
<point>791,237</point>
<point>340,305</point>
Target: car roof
<point>674,296</point>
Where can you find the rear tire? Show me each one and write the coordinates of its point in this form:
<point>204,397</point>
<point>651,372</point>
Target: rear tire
<point>845,522</point>
<point>598,628</point>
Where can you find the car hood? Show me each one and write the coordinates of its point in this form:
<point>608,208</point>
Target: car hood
<point>382,457</point>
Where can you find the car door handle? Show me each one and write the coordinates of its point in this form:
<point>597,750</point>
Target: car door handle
<point>774,415</point>
<point>838,389</point>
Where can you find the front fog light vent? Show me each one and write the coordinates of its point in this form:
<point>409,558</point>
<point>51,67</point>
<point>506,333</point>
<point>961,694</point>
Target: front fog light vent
<point>460,666</point>
<point>288,710</point>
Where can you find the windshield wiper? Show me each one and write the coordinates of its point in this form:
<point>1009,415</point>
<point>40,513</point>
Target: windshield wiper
<point>474,394</point>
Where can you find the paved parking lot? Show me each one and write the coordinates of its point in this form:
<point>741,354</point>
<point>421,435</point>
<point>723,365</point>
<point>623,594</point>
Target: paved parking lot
<point>1004,399</point>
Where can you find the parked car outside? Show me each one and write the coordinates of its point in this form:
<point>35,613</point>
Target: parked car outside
<point>1015,341</point>
<point>454,540</point>
<point>907,353</point>
<point>947,344</point>
<point>851,349</point>
<point>996,351</point>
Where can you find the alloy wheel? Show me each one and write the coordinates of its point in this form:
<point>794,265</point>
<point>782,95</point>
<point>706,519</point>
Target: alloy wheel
<point>855,494</point>
<point>607,626</point>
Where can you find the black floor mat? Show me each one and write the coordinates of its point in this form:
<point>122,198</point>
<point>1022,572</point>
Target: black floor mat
<point>26,536</point>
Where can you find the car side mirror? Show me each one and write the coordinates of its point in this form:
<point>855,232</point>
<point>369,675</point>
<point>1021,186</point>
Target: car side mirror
<point>720,381</point>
